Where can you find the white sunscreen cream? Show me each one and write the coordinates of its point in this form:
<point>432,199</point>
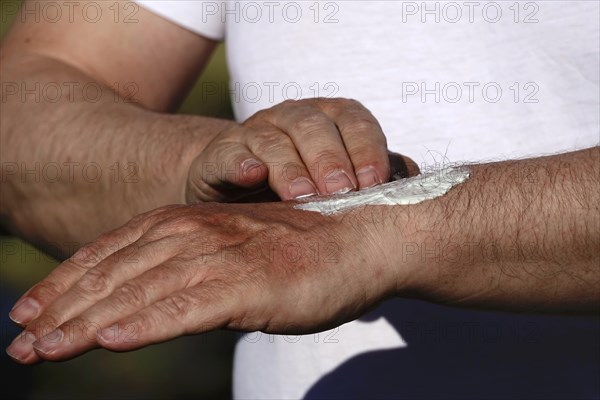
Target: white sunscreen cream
<point>407,191</point>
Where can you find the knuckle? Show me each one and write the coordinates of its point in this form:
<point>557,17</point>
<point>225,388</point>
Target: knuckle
<point>362,124</point>
<point>140,217</point>
<point>216,218</point>
<point>45,291</point>
<point>95,282</point>
<point>313,122</point>
<point>346,104</point>
<point>269,142</point>
<point>66,271</point>
<point>326,158</point>
<point>339,102</point>
<point>368,155</point>
<point>89,255</point>
<point>232,225</point>
<point>168,226</point>
<point>270,146</point>
<point>288,103</point>
<point>182,224</point>
<point>107,237</point>
<point>157,214</point>
<point>258,116</point>
<point>131,293</point>
<point>266,134</point>
<point>176,306</point>
<point>351,103</point>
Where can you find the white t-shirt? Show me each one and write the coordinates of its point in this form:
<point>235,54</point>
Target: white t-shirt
<point>448,82</point>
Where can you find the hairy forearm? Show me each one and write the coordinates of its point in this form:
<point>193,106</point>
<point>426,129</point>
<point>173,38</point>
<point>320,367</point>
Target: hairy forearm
<point>81,162</point>
<point>517,235</point>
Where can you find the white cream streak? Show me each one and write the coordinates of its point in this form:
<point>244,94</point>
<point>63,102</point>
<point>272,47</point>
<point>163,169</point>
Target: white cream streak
<point>401,192</point>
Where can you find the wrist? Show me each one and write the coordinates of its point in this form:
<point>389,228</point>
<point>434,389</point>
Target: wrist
<point>188,137</point>
<point>374,234</point>
<point>406,242</point>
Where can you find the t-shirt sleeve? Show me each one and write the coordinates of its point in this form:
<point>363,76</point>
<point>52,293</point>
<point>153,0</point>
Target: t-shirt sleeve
<point>201,17</point>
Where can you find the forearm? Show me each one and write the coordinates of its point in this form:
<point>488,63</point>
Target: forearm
<point>517,235</point>
<point>75,167</point>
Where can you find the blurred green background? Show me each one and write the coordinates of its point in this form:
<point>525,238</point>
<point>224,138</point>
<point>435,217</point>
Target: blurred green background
<point>189,367</point>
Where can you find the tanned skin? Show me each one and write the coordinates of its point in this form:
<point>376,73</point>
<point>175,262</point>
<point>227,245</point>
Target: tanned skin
<point>517,236</point>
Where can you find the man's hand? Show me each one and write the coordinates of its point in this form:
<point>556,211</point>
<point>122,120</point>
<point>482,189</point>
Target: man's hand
<point>124,148</point>
<point>189,269</point>
<point>517,235</point>
<point>301,148</point>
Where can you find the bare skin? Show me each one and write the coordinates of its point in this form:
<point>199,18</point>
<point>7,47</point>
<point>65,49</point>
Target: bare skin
<point>105,148</point>
<point>518,236</point>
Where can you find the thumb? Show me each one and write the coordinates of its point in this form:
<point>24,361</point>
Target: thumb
<point>402,166</point>
<point>224,173</point>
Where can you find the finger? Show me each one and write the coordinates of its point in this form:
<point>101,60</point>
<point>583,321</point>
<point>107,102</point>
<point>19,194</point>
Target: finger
<point>79,334</point>
<point>288,175</point>
<point>198,309</point>
<point>36,299</point>
<point>96,284</point>
<point>20,349</point>
<point>223,166</point>
<point>319,144</point>
<point>363,139</point>
<point>39,297</point>
<point>402,166</point>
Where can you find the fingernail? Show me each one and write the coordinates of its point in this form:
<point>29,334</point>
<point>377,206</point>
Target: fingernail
<point>24,311</point>
<point>302,187</point>
<point>49,343</point>
<point>249,165</point>
<point>20,349</point>
<point>367,177</point>
<point>338,182</point>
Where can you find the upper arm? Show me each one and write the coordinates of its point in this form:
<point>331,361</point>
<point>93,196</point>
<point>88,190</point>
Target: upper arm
<point>122,44</point>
